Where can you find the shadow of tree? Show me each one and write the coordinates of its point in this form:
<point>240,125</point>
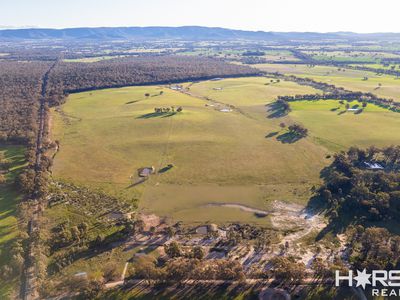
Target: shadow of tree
<point>165,169</point>
<point>271,134</point>
<point>276,110</point>
<point>289,138</point>
<point>166,115</point>
<point>131,102</point>
<point>174,289</point>
<point>342,112</point>
<point>141,180</point>
<point>155,115</point>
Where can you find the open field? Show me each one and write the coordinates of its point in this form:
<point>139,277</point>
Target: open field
<point>271,55</point>
<point>337,129</point>
<point>343,56</point>
<point>218,157</point>
<point>93,59</point>
<point>9,198</point>
<point>234,157</point>
<point>279,55</point>
<point>346,78</point>
<point>249,94</point>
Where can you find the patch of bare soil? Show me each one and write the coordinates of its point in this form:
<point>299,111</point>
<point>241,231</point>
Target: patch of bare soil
<point>293,217</point>
<point>150,221</point>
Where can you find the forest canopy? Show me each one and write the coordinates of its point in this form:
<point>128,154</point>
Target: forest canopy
<point>364,183</point>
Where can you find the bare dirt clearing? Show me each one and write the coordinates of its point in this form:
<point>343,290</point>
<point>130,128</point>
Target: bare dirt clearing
<point>294,217</point>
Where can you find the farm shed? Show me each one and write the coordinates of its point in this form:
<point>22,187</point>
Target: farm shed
<point>176,87</point>
<point>373,166</point>
<point>146,171</point>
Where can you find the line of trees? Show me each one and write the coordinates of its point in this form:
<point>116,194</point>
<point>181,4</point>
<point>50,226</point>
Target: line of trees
<point>376,70</point>
<point>333,92</point>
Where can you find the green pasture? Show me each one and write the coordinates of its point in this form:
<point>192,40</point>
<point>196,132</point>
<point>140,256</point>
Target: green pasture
<point>239,157</point>
<point>217,157</point>
<point>381,85</point>
<point>331,125</point>
<point>250,94</point>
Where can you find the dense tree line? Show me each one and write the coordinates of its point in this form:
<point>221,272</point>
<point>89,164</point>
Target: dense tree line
<point>253,53</point>
<point>349,96</point>
<point>364,183</point>
<point>20,88</point>
<point>325,87</point>
<point>75,77</point>
<point>178,269</point>
<point>378,71</point>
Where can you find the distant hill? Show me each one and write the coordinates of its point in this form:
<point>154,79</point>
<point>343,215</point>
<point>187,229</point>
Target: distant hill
<point>179,33</point>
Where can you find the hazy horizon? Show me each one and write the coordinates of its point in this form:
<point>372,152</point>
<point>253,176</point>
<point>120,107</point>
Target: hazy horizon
<point>255,15</point>
<point>166,26</point>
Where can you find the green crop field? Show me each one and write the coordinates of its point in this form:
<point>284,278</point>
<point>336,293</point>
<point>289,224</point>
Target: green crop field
<point>381,85</point>
<point>331,125</point>
<point>218,157</point>
<point>9,198</point>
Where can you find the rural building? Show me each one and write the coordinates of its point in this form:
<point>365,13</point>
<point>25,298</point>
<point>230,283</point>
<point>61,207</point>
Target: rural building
<point>373,166</point>
<point>146,171</point>
<point>176,87</point>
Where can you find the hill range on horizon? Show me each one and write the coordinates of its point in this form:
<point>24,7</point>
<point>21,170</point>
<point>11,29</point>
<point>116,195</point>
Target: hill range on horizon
<point>182,33</point>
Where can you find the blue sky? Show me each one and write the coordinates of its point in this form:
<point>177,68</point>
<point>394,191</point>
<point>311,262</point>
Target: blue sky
<point>277,15</point>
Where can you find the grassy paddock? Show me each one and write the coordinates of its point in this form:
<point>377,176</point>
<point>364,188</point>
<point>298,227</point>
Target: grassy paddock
<point>218,157</point>
<point>331,125</point>
<point>349,79</point>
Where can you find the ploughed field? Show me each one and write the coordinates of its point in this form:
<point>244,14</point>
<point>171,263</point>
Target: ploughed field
<point>225,147</point>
